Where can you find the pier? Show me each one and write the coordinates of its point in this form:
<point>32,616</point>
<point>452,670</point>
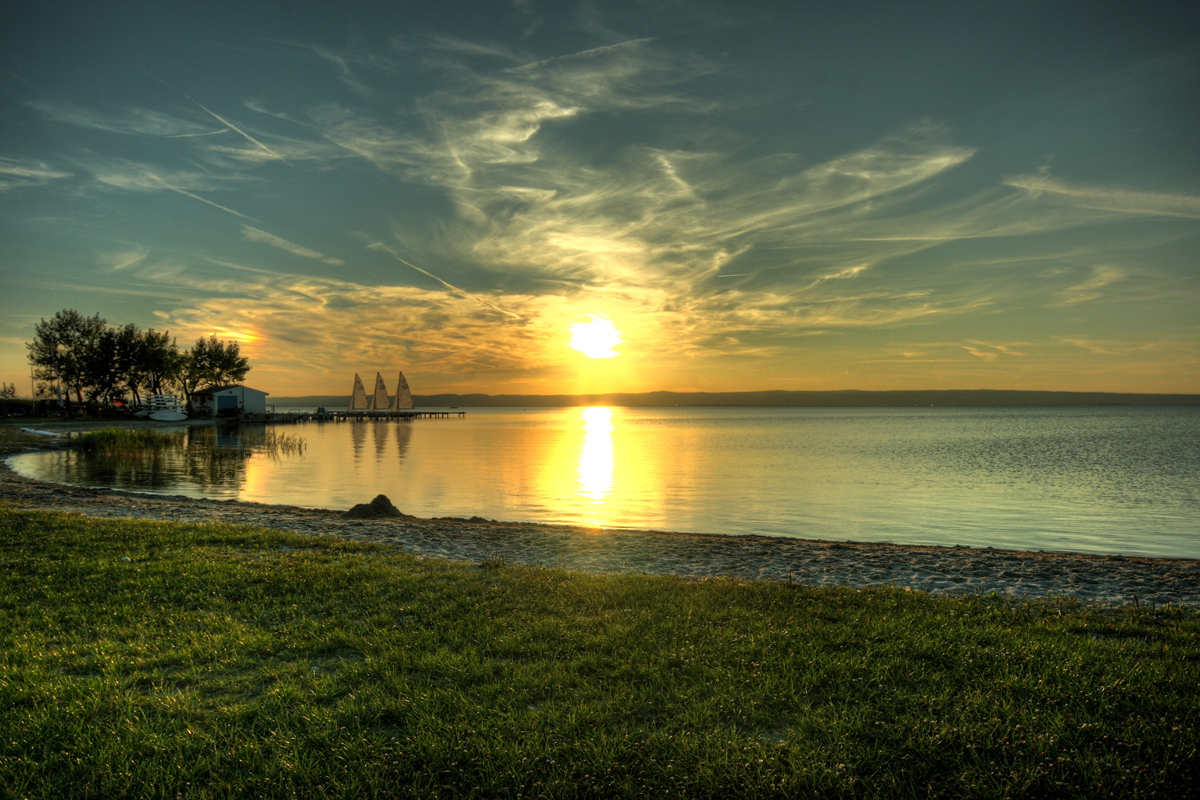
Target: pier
<point>293,417</point>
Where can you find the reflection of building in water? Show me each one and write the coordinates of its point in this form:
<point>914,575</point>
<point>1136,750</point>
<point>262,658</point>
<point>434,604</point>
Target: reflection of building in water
<point>222,435</point>
<point>596,459</point>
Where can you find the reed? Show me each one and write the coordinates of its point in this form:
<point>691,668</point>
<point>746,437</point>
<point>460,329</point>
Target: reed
<point>145,659</point>
<point>153,442</point>
<point>130,441</point>
<point>251,438</point>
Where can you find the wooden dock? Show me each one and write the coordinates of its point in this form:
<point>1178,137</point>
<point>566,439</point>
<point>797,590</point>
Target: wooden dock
<point>293,417</point>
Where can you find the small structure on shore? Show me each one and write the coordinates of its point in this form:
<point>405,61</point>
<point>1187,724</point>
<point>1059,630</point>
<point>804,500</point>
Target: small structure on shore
<point>225,401</point>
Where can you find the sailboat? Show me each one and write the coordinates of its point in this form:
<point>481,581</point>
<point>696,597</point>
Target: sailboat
<point>404,397</point>
<point>358,399</point>
<point>379,401</point>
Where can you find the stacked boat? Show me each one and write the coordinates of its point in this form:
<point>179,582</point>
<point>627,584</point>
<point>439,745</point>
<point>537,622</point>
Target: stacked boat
<point>164,408</point>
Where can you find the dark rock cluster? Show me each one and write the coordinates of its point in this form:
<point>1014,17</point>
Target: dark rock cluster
<point>376,509</point>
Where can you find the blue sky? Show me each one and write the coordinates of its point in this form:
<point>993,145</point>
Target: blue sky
<point>762,196</point>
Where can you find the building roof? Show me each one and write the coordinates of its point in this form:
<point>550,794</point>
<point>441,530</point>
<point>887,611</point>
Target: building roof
<point>216,389</point>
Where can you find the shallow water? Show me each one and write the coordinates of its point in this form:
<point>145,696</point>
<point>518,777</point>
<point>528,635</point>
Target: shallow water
<point>1098,479</point>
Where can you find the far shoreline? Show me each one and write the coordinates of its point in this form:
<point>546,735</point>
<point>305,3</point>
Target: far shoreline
<point>936,398</point>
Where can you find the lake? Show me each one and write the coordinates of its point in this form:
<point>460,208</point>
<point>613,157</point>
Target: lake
<point>1120,480</point>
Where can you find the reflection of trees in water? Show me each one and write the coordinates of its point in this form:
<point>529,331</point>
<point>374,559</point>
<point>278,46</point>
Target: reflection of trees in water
<point>202,468</point>
<point>206,458</point>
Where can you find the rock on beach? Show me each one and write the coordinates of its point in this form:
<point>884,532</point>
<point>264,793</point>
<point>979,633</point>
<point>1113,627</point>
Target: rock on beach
<point>379,508</point>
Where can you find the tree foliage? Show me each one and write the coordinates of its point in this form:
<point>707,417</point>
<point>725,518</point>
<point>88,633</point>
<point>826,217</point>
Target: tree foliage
<point>8,391</point>
<point>99,363</point>
<point>67,348</point>
<point>211,362</point>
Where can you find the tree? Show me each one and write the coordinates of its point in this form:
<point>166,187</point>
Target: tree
<point>8,391</point>
<point>145,360</point>
<point>69,349</point>
<point>160,359</point>
<point>85,355</point>
<point>210,362</point>
<point>101,367</point>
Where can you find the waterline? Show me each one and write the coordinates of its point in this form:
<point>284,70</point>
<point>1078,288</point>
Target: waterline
<point>1098,480</point>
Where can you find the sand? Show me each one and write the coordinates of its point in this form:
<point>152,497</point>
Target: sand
<point>1115,580</point>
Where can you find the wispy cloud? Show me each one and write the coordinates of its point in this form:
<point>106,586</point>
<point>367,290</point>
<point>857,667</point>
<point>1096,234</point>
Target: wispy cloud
<point>1106,347</point>
<point>1106,199</point>
<point>255,235</point>
<point>117,261</point>
<point>1092,288</point>
<point>267,151</point>
<point>209,143</point>
<point>16,173</point>
<point>457,291</point>
<point>444,332</point>
<point>137,177</point>
<point>990,352</point>
<point>128,122</point>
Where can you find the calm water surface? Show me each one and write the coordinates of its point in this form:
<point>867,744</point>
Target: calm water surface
<point>1100,480</point>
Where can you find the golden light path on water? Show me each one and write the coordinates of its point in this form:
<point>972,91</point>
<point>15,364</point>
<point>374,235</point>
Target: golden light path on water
<point>596,457</point>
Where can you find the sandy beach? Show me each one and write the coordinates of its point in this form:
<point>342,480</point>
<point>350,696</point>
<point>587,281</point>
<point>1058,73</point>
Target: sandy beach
<point>1090,578</point>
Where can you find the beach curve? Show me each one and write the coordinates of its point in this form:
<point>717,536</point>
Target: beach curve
<point>1115,580</point>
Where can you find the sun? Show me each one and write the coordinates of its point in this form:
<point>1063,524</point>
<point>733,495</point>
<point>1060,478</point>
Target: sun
<point>595,339</point>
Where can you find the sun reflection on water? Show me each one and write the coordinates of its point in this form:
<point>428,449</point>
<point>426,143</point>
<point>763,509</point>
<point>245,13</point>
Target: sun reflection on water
<point>596,459</point>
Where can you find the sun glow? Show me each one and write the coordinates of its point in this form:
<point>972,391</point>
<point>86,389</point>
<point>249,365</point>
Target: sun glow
<point>595,339</point>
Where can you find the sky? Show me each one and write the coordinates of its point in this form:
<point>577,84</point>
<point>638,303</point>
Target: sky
<point>741,196</point>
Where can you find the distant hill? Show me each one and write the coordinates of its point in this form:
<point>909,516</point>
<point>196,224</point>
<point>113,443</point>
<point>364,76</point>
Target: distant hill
<point>953,397</point>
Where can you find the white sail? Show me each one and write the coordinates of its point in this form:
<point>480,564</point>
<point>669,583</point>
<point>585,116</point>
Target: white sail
<point>358,400</point>
<point>403,395</point>
<point>379,401</point>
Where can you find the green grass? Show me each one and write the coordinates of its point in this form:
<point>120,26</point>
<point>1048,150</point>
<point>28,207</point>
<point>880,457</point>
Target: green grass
<point>223,661</point>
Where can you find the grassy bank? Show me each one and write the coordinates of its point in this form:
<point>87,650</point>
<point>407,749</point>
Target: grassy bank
<point>222,661</point>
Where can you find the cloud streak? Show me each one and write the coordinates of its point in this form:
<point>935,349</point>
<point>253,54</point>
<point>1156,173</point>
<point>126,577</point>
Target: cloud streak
<point>1105,199</point>
<point>255,235</point>
<point>17,173</point>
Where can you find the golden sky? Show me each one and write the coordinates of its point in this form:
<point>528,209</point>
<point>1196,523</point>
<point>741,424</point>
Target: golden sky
<point>884,196</point>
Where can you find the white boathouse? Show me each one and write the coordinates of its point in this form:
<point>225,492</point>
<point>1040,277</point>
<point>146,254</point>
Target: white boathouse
<point>220,401</point>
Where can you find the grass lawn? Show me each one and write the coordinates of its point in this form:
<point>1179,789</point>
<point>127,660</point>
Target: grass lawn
<point>142,659</point>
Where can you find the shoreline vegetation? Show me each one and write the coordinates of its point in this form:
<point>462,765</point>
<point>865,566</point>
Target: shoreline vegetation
<point>150,442</point>
<point>150,659</point>
<point>950,398</point>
